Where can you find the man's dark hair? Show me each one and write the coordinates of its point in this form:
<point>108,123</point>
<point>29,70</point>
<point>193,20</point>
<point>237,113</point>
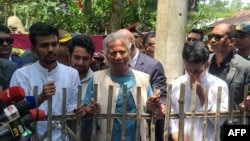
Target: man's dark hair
<point>195,52</point>
<point>83,41</point>
<point>41,29</point>
<point>147,37</point>
<point>4,29</point>
<point>197,31</point>
<point>232,33</point>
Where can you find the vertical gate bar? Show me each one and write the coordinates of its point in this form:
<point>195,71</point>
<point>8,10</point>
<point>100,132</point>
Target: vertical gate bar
<point>110,97</point>
<point>138,114</point>
<point>153,120</point>
<point>194,87</point>
<point>205,114</point>
<point>181,113</point>
<point>78,121</point>
<point>63,117</point>
<point>49,123</point>
<point>167,115</point>
<point>231,105</point>
<point>217,114</point>
<point>94,118</point>
<point>244,113</point>
<point>35,94</point>
<point>124,111</point>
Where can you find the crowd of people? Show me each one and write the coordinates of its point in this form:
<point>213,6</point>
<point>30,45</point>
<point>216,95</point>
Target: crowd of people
<point>57,60</point>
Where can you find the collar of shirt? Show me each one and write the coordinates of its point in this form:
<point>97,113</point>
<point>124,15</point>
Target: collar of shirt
<point>10,58</point>
<point>45,70</point>
<point>88,76</point>
<point>134,59</point>
<point>226,62</point>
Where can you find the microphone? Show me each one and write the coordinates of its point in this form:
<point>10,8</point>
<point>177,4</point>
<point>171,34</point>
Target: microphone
<point>31,100</point>
<point>12,112</point>
<point>2,106</point>
<point>12,94</point>
<point>5,134</point>
<point>33,115</point>
<point>17,127</point>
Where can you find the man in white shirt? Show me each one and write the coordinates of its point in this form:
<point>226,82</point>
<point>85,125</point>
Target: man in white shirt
<point>50,76</point>
<point>195,55</point>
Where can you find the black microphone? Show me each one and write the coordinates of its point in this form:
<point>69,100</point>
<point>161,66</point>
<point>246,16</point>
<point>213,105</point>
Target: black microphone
<point>2,106</point>
<point>5,134</point>
<point>17,127</point>
<point>13,112</point>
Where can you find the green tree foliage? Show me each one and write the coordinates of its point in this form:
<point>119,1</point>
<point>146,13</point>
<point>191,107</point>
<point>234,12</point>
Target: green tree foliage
<point>212,10</point>
<point>95,17</point>
<point>95,20</point>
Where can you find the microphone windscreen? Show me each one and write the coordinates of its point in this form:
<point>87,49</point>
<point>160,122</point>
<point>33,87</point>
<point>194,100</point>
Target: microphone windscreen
<point>2,106</point>
<point>31,100</point>
<point>12,95</point>
<point>37,114</point>
<point>23,106</point>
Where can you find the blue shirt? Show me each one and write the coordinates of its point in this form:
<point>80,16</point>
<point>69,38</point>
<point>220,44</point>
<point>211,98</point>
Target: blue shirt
<point>129,80</point>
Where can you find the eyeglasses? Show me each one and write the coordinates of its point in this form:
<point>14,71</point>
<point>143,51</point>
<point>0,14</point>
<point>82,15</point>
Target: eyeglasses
<point>216,37</point>
<point>7,40</point>
<point>190,39</point>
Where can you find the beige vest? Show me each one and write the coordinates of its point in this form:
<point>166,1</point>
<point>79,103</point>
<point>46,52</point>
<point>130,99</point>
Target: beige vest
<point>103,79</point>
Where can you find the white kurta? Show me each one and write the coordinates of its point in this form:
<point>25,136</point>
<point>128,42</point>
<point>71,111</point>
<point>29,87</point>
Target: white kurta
<point>65,77</point>
<point>213,83</point>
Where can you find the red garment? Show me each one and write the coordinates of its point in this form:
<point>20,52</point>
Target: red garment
<point>21,41</point>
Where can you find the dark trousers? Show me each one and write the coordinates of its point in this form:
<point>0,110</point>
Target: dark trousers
<point>159,130</point>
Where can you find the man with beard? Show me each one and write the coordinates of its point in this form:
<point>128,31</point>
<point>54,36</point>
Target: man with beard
<point>81,49</point>
<point>50,76</point>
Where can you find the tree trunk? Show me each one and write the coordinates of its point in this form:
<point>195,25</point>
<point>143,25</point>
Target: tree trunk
<point>5,13</point>
<point>87,7</point>
<point>170,36</point>
<point>116,14</point>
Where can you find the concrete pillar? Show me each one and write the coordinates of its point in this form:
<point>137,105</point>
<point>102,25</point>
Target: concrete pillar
<point>170,36</point>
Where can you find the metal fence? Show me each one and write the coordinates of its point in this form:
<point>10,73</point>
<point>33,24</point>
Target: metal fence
<point>140,115</point>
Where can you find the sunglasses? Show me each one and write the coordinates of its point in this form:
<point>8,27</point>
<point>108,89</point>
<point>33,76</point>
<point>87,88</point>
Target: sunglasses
<point>7,40</point>
<point>190,39</point>
<point>216,37</point>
